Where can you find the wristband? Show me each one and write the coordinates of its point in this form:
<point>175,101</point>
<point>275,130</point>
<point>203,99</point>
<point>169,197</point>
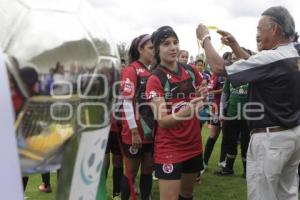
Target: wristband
<point>203,39</point>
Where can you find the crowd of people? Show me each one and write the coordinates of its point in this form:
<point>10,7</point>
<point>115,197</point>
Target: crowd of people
<point>60,73</point>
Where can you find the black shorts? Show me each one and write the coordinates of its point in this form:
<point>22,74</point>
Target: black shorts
<point>173,171</point>
<point>137,153</point>
<point>113,144</point>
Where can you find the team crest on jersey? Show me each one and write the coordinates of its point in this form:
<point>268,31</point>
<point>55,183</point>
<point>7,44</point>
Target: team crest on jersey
<point>142,82</point>
<point>133,150</point>
<point>152,94</point>
<point>168,168</point>
<point>140,70</point>
<point>241,91</point>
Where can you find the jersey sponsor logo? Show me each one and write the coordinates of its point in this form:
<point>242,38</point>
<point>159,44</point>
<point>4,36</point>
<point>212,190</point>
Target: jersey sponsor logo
<point>168,168</point>
<point>133,150</point>
<point>140,70</point>
<point>128,86</point>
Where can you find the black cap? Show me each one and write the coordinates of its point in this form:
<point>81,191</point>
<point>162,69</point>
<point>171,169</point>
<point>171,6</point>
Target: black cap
<point>159,36</point>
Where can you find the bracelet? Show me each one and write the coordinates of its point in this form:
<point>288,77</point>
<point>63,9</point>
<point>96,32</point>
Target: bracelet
<point>203,39</point>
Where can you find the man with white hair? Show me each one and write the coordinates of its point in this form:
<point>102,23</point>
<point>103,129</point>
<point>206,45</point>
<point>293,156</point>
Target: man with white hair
<point>273,75</point>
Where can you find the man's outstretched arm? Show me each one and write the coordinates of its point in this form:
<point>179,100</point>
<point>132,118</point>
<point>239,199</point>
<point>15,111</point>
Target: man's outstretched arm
<point>215,61</point>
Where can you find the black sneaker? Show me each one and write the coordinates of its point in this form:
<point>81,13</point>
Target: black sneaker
<point>224,172</point>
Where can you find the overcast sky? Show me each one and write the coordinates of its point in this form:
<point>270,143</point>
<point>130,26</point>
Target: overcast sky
<point>127,19</point>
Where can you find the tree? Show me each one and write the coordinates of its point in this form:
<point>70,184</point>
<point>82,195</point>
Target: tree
<point>123,51</point>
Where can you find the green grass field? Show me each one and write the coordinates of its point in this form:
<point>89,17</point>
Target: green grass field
<point>212,187</point>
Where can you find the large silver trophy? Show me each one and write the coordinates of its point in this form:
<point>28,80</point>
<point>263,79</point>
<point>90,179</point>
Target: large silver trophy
<point>66,42</point>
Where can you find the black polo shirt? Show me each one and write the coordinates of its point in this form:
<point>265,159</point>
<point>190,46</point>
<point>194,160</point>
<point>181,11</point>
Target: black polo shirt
<point>274,85</point>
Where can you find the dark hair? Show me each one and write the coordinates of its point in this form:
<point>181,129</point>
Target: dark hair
<point>140,41</point>
<point>160,35</point>
<point>227,55</point>
<point>282,17</point>
<point>57,65</point>
<point>29,76</point>
<point>198,61</point>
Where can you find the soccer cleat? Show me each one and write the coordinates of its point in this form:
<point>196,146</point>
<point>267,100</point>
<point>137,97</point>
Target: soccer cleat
<point>222,164</point>
<point>116,198</point>
<point>45,189</point>
<point>198,179</point>
<point>204,168</point>
<point>154,177</point>
<point>224,172</point>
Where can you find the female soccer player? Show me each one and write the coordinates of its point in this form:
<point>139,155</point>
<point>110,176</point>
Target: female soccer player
<point>136,134</point>
<point>174,90</point>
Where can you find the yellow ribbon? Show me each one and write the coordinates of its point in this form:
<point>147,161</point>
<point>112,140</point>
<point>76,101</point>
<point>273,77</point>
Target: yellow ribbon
<point>212,27</point>
<point>222,46</point>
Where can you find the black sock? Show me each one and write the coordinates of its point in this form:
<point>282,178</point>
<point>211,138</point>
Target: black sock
<point>145,186</point>
<point>117,178</point>
<point>183,198</point>
<point>229,161</point>
<point>222,154</point>
<point>46,179</point>
<point>25,181</point>
<point>210,143</point>
<point>125,189</point>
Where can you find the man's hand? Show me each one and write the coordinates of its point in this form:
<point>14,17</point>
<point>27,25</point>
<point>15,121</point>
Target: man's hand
<point>213,58</point>
<point>201,31</point>
<point>227,38</point>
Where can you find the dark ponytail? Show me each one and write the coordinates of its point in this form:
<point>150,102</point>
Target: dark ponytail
<point>140,41</point>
